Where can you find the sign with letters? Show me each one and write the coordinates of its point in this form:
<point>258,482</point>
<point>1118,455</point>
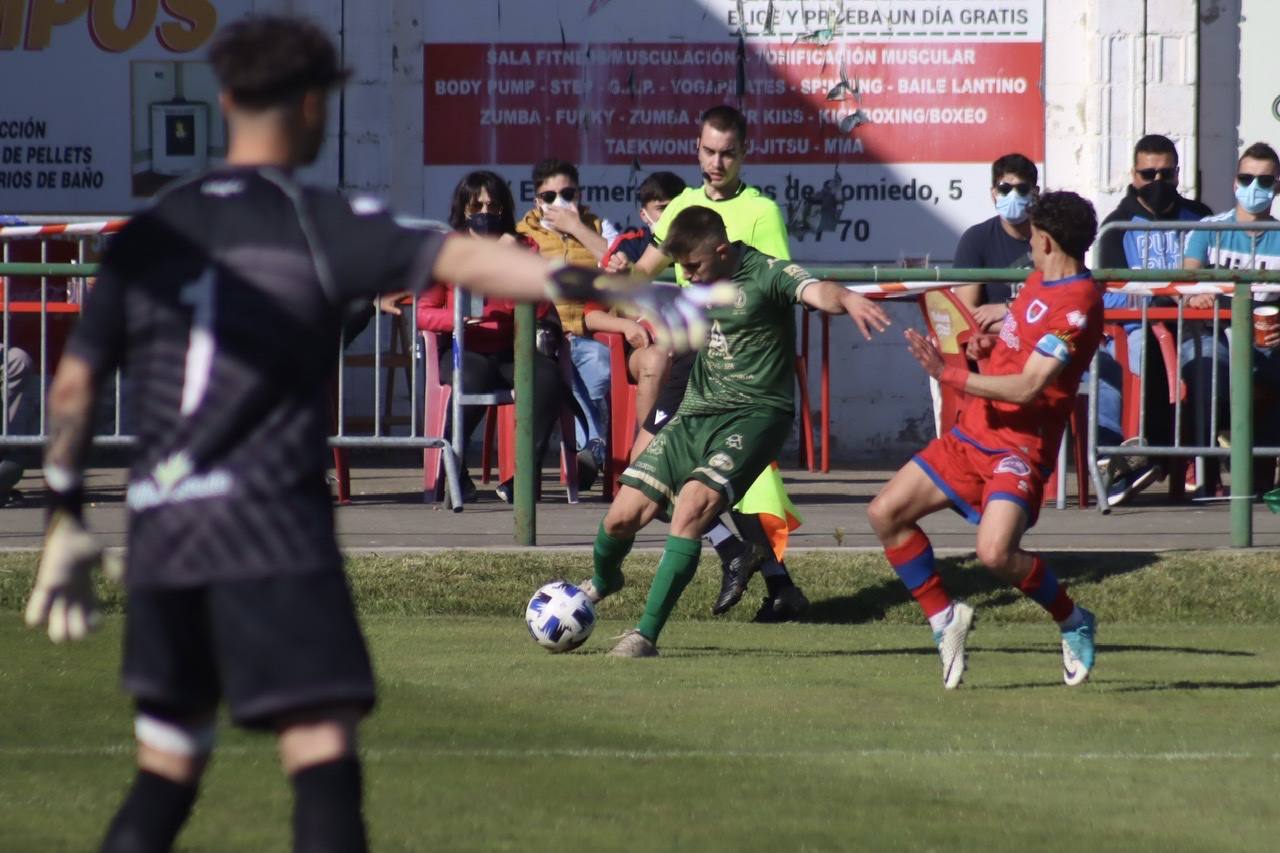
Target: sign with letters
<point>873,124</point>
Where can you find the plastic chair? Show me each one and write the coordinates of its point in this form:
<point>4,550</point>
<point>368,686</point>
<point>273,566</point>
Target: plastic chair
<point>500,421</point>
<point>951,325</point>
<point>1131,390</point>
<point>622,413</point>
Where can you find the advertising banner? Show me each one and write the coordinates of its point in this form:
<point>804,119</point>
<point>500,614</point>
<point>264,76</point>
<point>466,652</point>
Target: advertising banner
<point>872,123</point>
<point>105,101</point>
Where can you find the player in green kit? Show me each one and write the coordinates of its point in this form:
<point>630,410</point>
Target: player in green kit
<point>764,513</point>
<point>737,409</point>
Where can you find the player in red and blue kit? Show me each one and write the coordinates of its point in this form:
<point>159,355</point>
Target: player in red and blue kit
<point>992,465</point>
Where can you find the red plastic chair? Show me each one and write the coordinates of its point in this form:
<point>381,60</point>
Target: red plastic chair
<point>1131,391</point>
<point>622,413</point>
<point>951,325</point>
<point>500,421</point>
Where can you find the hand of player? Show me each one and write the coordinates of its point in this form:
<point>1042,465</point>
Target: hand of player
<point>63,593</point>
<point>676,315</point>
<point>389,303</point>
<point>865,313</point>
<point>925,352</point>
<point>990,314</point>
<point>979,347</point>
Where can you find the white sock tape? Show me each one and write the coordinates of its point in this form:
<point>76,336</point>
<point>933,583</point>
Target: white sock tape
<point>173,738</point>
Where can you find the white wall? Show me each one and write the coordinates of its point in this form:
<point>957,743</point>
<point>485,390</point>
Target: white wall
<point>1114,71</point>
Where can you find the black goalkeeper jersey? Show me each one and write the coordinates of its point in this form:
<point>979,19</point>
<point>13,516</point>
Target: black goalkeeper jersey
<point>223,304</point>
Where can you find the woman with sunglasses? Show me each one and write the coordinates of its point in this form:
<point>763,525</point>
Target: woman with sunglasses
<point>482,206</point>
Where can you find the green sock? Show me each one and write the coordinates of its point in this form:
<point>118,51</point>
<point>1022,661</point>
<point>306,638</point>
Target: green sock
<point>607,556</point>
<point>679,562</point>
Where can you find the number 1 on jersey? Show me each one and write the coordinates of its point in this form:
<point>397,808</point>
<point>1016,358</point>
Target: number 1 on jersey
<point>200,349</point>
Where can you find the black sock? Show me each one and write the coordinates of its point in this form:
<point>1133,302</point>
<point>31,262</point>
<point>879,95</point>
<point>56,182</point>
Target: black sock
<point>151,815</point>
<point>326,808</point>
<point>775,583</point>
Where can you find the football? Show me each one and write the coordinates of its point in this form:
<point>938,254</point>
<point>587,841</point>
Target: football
<point>560,617</point>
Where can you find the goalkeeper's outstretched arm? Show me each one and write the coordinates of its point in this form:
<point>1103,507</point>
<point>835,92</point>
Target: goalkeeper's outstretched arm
<point>484,266</point>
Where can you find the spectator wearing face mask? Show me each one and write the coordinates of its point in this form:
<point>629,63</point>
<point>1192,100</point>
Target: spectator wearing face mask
<point>1000,242</point>
<point>566,231</point>
<point>1257,177</point>
<point>1152,196</point>
<point>482,206</point>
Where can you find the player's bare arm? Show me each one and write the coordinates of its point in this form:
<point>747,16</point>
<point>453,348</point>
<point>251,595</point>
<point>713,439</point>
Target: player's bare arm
<point>833,299</point>
<point>71,401</point>
<point>1019,388</point>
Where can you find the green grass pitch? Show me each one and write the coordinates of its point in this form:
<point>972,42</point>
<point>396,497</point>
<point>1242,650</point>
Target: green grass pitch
<point>830,735</point>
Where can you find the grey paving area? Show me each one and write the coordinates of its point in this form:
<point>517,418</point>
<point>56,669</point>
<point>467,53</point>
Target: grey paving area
<point>387,513</point>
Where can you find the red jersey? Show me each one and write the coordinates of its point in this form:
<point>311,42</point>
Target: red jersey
<point>1060,319</point>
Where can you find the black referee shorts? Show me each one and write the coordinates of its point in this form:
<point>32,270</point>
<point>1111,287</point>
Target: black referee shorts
<point>271,646</point>
<point>671,393</point>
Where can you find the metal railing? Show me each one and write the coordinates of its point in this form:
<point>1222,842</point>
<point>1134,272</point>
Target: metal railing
<point>883,281</point>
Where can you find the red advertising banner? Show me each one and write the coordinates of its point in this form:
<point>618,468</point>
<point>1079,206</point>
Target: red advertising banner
<point>848,102</point>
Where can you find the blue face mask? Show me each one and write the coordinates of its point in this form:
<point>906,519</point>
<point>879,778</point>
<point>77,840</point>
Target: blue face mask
<point>1012,207</point>
<point>1254,198</point>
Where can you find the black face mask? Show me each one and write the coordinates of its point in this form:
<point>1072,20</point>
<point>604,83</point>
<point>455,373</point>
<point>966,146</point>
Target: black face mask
<point>485,223</point>
<point>1160,196</point>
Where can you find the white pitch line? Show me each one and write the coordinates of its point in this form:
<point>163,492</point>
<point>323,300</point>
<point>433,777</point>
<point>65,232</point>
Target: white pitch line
<point>381,753</point>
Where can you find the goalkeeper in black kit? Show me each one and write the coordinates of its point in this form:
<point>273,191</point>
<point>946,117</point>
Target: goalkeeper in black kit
<point>223,303</point>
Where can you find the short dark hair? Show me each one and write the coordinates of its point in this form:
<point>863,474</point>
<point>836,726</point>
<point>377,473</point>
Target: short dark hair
<point>724,118</point>
<point>1259,151</point>
<point>660,186</point>
<point>1154,143</point>
<point>467,190</point>
<point>691,228</point>
<point>266,61</point>
<point>551,167</point>
<point>1068,218</point>
<point>1015,164</point>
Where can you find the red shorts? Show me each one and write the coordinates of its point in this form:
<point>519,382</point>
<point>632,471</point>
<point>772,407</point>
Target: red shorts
<point>972,475</point>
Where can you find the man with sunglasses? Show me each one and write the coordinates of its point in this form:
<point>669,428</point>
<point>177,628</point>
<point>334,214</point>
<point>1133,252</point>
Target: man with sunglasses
<point>566,231</point>
<point>1153,195</point>
<point>1001,242</point>
<point>1255,190</point>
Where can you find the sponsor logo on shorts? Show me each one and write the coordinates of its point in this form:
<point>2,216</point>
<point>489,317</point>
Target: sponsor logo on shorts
<point>734,441</point>
<point>1013,465</point>
<point>721,461</point>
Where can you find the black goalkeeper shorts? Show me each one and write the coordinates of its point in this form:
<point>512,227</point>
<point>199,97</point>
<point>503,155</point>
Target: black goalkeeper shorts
<point>270,646</point>
<point>671,394</point>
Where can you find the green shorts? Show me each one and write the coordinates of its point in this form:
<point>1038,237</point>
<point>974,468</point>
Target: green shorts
<point>725,452</point>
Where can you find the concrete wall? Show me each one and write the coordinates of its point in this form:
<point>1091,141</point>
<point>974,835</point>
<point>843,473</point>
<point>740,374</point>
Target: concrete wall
<point>1115,70</point>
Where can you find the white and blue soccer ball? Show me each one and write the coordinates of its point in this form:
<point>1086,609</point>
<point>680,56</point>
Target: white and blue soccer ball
<point>560,617</point>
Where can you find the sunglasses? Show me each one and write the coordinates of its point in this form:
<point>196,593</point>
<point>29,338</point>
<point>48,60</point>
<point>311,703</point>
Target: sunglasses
<point>549,196</point>
<point>1004,188</point>
<point>1264,181</point>
<point>484,207</point>
<point>1158,174</point>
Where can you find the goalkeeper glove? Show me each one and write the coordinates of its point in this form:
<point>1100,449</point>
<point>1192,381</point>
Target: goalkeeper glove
<point>63,593</point>
<point>676,314</point>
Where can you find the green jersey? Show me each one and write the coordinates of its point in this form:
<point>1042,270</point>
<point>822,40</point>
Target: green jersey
<point>749,358</point>
<point>749,216</point>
